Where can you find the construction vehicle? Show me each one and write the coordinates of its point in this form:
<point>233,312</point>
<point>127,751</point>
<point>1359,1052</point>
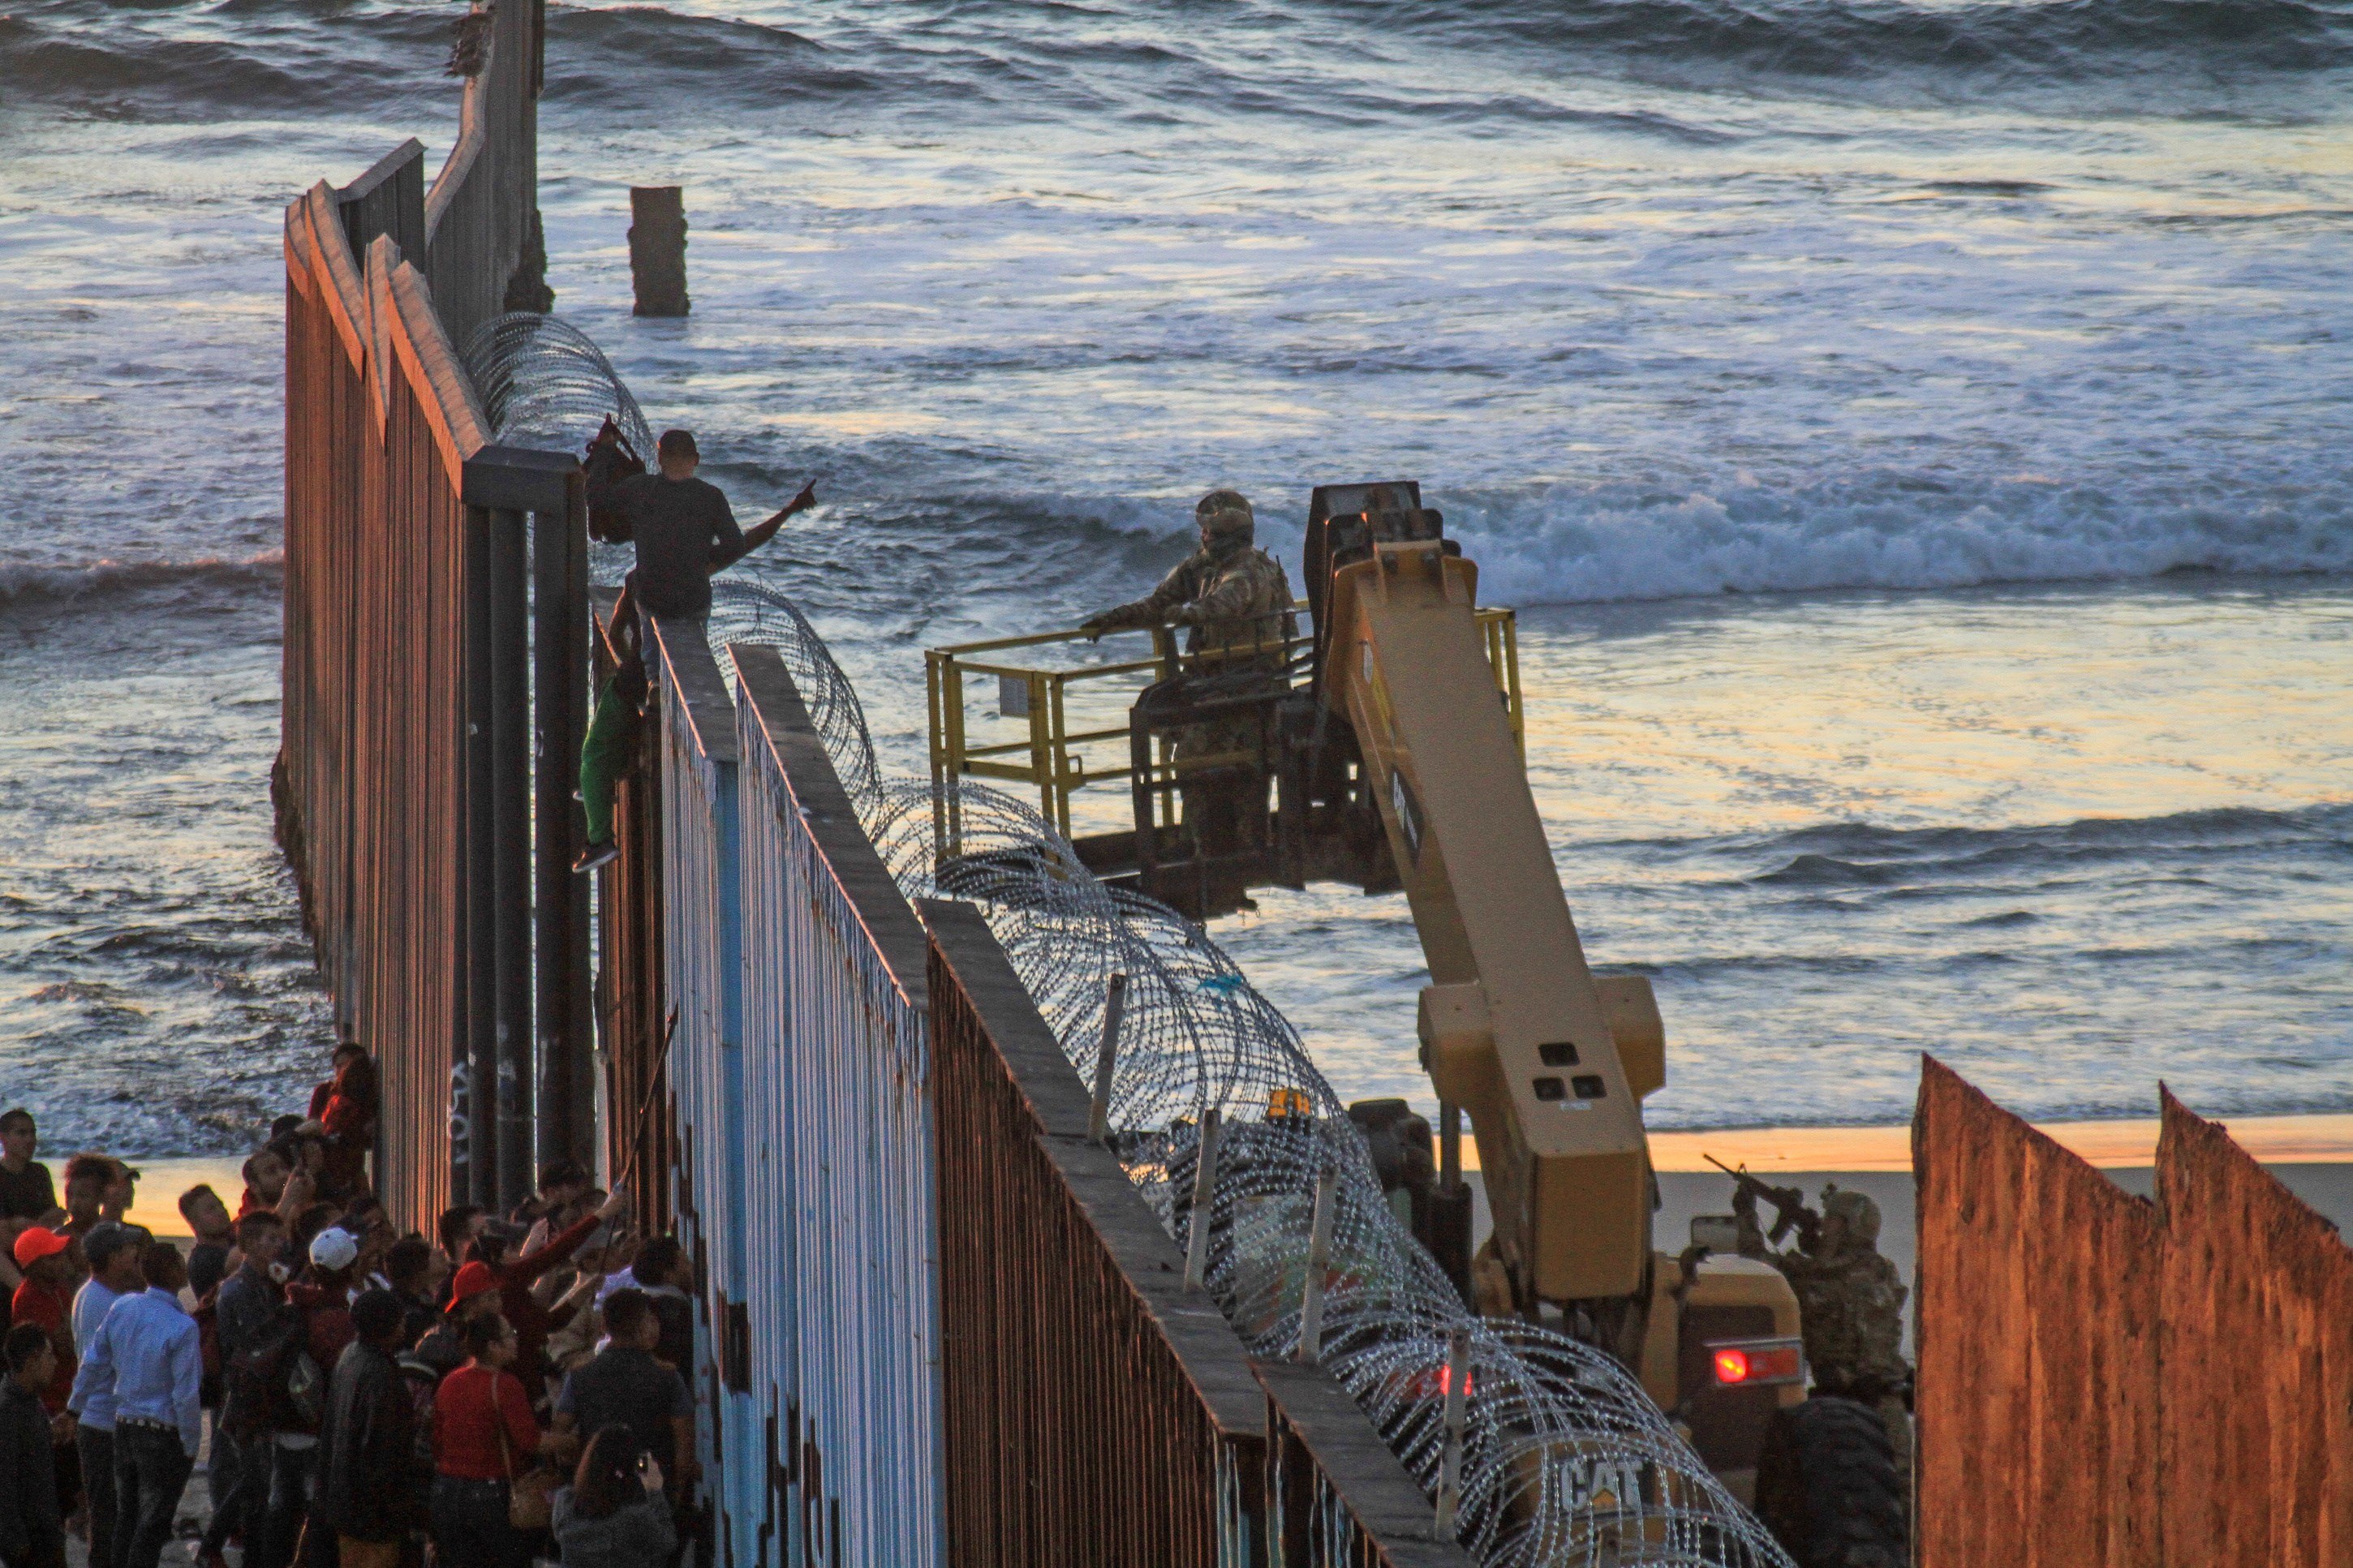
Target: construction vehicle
<point>1388,753</point>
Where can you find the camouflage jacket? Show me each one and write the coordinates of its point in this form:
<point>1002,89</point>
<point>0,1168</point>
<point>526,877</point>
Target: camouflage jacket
<point>1234,603</point>
<point>1851,1306</point>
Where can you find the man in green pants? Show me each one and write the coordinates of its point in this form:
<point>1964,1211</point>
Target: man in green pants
<point>610,730</point>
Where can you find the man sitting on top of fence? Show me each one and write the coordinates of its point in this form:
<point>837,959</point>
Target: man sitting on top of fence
<point>684,530</point>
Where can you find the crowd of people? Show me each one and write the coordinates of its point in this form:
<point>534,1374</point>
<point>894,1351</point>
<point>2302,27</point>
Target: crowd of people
<point>510,1388</point>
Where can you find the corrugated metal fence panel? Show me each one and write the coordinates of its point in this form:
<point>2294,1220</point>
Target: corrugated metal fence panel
<point>1096,1410</point>
<point>2037,1330</point>
<point>845,1326</point>
<point>2106,1381</point>
<point>2258,1362</point>
<point>372,760</point>
<point>703,972</point>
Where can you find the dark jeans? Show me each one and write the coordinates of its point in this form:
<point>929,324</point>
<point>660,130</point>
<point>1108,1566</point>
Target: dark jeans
<point>221,1463</point>
<point>292,1473</point>
<point>470,1528</point>
<point>238,1513</point>
<point>150,1471</point>
<point>98,1485</point>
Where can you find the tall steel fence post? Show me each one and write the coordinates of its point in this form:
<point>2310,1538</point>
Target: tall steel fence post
<point>533,705</point>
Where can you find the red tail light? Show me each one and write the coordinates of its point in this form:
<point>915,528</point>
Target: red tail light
<point>1749,1363</point>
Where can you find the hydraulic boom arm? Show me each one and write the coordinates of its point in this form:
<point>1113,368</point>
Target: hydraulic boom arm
<point>1514,1029</point>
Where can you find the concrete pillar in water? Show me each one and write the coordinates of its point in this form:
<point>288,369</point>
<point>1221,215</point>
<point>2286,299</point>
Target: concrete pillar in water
<point>658,249</point>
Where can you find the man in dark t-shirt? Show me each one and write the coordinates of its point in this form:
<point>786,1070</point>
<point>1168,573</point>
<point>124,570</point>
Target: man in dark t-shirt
<point>682,526</point>
<point>26,1194</point>
<point>26,1190</point>
<point>625,1385</point>
<point>684,531</point>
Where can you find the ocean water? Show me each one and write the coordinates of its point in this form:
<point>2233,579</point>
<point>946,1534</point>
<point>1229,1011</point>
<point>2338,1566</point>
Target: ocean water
<point>1914,433</point>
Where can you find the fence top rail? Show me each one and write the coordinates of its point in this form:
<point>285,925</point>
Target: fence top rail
<point>443,389</point>
<point>775,720</point>
<point>330,250</point>
<point>1058,1100</point>
<point>693,675</point>
<point>1305,1403</point>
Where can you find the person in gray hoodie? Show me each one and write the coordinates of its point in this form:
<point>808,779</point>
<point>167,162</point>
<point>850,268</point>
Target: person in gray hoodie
<point>614,1514</point>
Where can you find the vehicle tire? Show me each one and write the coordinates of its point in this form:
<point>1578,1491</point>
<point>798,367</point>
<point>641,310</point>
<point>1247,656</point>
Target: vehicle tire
<point>1827,1486</point>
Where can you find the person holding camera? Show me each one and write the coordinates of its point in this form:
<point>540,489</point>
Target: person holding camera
<point>614,1514</point>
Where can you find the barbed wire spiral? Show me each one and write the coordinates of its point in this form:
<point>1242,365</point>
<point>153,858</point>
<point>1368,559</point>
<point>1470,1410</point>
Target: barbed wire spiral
<point>543,382</point>
<point>1565,1460</point>
<point>1565,1463</point>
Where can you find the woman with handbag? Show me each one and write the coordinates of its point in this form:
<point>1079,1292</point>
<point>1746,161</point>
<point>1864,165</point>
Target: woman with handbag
<point>489,1503</point>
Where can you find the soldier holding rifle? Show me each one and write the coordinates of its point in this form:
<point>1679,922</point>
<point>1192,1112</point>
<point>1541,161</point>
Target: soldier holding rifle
<point>1850,1299</point>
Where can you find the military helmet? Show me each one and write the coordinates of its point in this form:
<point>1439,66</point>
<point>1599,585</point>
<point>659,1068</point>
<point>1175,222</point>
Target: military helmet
<point>1225,511</point>
<point>1860,1214</point>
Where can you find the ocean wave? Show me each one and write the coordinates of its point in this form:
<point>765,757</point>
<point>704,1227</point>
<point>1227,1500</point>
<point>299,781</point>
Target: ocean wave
<point>1839,37</point>
<point>633,57</point>
<point>1579,545</point>
<point>1865,855</point>
<point>28,584</point>
<point>165,61</point>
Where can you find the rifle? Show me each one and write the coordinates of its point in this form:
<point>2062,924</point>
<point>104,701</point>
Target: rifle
<point>1789,1210</point>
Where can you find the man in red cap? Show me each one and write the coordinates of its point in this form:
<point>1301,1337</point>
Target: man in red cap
<point>46,1299</point>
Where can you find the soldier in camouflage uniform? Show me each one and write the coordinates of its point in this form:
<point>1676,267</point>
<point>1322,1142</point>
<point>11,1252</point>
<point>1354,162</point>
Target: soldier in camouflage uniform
<point>1850,1301</point>
<point>1236,600</point>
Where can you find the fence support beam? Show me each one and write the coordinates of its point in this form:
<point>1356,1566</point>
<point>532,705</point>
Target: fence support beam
<point>537,917</point>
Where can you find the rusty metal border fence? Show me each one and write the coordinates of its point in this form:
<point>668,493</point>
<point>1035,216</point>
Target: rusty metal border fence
<point>1096,1411</point>
<point>2256,1348</point>
<point>435,643</point>
<point>2109,1383</point>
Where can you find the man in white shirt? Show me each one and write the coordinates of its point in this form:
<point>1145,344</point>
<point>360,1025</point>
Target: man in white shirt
<point>147,1356</point>
<point>113,1251</point>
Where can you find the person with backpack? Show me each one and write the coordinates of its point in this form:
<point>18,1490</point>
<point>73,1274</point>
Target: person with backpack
<point>320,1299</point>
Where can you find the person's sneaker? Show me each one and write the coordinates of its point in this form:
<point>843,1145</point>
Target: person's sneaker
<point>597,855</point>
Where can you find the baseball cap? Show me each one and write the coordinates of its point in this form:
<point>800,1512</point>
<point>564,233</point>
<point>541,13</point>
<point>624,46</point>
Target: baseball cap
<point>35,1244</point>
<point>472,1279</point>
<point>333,1248</point>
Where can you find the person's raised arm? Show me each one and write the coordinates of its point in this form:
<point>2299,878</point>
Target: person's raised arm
<point>564,1243</point>
<point>760,533</point>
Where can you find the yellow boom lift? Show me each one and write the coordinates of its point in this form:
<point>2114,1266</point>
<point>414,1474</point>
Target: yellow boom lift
<point>1391,756</point>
